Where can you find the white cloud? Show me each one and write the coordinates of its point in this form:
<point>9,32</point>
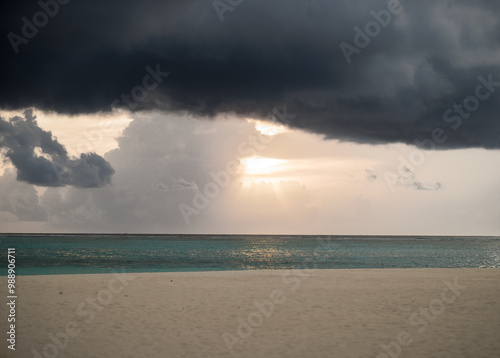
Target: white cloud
<point>19,200</point>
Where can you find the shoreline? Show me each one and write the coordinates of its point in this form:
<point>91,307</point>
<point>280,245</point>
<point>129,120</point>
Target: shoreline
<point>254,270</point>
<point>261,313</point>
<point>266,270</point>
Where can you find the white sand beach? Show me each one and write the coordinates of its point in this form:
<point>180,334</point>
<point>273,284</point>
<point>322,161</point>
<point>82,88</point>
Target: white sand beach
<point>320,313</point>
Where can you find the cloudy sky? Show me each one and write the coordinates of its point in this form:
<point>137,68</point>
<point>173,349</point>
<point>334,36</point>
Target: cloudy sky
<point>229,116</point>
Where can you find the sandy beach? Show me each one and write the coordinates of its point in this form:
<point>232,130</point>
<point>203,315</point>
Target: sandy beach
<point>299,313</point>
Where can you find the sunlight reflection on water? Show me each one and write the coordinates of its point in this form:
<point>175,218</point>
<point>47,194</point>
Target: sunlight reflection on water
<point>94,254</point>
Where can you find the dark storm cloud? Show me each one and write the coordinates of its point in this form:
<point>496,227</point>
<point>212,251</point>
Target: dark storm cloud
<point>39,159</point>
<point>266,54</point>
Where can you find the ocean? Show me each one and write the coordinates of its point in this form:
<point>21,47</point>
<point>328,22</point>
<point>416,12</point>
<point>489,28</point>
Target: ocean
<point>43,254</point>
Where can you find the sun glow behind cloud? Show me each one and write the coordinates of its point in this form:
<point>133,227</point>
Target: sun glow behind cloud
<point>260,166</point>
<point>273,166</point>
<point>268,128</point>
<point>259,169</point>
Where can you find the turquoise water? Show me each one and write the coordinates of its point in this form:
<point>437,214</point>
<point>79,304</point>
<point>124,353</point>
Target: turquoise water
<point>71,254</point>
